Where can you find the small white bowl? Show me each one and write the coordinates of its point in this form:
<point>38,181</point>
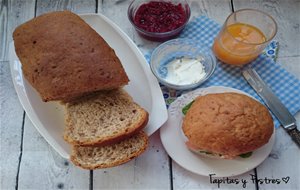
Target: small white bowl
<point>181,48</point>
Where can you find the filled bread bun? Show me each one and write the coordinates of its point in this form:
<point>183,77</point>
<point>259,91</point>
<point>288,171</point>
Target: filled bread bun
<point>226,125</point>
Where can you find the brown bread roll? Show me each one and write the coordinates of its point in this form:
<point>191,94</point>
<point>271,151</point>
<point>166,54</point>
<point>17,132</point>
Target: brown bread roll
<point>227,125</point>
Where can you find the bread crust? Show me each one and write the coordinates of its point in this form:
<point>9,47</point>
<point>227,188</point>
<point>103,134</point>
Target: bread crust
<point>88,166</point>
<point>229,124</point>
<point>63,58</point>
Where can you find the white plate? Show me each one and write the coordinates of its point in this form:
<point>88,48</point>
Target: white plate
<point>143,87</point>
<point>173,140</point>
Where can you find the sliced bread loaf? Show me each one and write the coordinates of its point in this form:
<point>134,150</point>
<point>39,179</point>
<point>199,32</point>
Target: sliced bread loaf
<point>109,155</point>
<point>103,118</point>
<point>63,57</point>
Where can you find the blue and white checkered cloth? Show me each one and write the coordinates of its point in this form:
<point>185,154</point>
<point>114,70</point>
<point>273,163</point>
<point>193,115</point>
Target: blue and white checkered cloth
<point>284,85</point>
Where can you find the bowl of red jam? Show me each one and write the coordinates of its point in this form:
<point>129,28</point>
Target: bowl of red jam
<point>159,20</point>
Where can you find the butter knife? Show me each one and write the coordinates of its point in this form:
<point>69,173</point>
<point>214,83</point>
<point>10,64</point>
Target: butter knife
<point>286,119</point>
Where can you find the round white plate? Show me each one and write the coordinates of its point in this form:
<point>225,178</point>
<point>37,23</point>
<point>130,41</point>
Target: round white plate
<point>173,140</point>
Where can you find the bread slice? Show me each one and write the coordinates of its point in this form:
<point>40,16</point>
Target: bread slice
<point>109,155</point>
<point>63,58</point>
<point>103,118</point>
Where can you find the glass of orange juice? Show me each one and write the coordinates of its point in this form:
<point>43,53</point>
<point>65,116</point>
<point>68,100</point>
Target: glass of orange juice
<point>244,36</point>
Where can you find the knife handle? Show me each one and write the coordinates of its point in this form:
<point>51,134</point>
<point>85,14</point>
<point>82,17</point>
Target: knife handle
<point>295,134</point>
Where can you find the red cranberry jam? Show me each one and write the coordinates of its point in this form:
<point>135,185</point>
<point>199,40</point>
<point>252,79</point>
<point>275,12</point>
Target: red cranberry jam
<point>160,16</point>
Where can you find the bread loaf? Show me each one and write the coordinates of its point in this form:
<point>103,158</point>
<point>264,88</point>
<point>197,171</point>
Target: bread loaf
<point>63,58</point>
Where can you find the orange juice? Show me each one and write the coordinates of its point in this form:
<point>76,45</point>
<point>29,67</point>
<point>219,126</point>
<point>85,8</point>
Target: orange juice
<point>239,44</point>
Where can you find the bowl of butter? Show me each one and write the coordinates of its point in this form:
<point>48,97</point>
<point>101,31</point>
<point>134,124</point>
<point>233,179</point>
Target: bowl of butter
<point>182,64</point>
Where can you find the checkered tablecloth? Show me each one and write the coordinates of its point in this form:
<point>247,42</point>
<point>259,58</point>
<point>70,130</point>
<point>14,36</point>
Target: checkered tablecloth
<point>284,84</point>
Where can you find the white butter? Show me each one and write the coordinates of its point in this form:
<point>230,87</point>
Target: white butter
<point>185,71</point>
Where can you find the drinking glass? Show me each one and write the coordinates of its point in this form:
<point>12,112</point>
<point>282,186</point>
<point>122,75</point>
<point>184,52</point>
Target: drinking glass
<point>244,36</point>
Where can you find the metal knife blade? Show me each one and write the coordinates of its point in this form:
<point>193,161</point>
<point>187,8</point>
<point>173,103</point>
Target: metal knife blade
<point>287,120</point>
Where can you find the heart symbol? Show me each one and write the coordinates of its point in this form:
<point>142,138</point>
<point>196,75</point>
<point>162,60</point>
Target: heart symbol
<point>286,179</point>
